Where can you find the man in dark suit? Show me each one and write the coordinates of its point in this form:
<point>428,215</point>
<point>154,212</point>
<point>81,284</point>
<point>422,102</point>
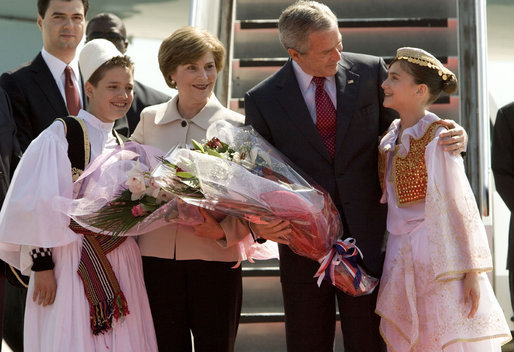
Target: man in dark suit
<point>335,143</point>
<point>111,27</point>
<point>37,89</point>
<point>9,148</point>
<point>502,162</point>
<point>9,156</point>
<point>40,91</point>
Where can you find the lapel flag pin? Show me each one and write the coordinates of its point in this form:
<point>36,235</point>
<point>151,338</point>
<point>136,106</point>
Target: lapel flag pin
<point>350,81</point>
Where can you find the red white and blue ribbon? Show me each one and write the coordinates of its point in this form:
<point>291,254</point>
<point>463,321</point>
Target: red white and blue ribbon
<point>343,252</point>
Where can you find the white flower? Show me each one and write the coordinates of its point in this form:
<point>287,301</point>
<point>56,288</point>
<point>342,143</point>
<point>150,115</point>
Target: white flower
<point>136,182</point>
<point>257,153</point>
<point>163,197</point>
<point>153,188</point>
<point>236,157</point>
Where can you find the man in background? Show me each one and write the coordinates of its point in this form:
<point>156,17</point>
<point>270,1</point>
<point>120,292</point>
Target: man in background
<point>109,26</point>
<point>502,162</point>
<point>9,156</point>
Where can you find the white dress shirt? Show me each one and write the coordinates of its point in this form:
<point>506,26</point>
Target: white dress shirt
<point>308,89</point>
<point>57,67</point>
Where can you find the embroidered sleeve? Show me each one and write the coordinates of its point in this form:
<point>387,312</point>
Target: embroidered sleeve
<point>457,237</point>
<point>42,259</point>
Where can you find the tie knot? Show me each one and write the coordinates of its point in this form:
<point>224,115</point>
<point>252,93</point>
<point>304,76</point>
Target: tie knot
<point>67,71</point>
<point>318,81</point>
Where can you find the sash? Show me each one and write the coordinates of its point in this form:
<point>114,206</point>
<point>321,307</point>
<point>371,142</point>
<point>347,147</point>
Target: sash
<point>106,300</point>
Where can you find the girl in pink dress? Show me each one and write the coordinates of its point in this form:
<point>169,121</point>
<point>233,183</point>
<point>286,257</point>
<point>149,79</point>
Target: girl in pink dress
<point>434,293</point>
<point>86,293</point>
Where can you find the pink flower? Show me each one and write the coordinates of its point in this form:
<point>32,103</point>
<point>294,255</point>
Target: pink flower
<point>137,211</point>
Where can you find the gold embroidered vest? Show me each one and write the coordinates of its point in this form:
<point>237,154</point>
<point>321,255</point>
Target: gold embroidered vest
<point>409,172</point>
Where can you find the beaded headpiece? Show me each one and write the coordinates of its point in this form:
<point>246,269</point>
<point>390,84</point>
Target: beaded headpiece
<point>423,58</point>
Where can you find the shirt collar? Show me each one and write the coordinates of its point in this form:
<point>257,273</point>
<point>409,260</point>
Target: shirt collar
<point>202,119</point>
<point>304,79</point>
<point>92,120</point>
<point>57,66</point>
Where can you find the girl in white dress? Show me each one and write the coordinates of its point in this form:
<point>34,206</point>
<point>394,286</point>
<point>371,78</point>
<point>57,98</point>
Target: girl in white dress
<point>434,293</point>
<point>63,314</point>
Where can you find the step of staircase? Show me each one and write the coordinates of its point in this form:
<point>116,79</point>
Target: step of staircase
<point>271,9</point>
<point>262,293</point>
<point>380,41</point>
<point>270,337</point>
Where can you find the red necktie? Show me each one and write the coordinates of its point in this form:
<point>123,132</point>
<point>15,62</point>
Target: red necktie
<point>72,95</point>
<point>325,116</point>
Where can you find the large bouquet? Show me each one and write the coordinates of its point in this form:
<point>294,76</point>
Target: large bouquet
<point>236,172</point>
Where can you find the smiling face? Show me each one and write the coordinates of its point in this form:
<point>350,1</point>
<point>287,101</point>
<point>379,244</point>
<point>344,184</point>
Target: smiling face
<point>195,81</point>
<point>62,28</point>
<point>401,93</point>
<point>323,54</point>
<point>113,94</point>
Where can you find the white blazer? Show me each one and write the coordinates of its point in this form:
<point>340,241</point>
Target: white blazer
<point>162,126</point>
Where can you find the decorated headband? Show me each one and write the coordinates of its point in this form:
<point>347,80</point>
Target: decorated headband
<point>423,58</point>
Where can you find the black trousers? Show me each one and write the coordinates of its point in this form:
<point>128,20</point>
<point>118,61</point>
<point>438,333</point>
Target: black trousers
<point>13,316</point>
<point>311,316</point>
<point>197,297</point>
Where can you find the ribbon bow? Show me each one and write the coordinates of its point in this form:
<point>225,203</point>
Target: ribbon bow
<point>344,252</point>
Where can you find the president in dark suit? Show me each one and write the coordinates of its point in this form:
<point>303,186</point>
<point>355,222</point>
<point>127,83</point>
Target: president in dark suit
<point>111,27</point>
<point>40,91</point>
<point>502,162</point>
<point>324,111</point>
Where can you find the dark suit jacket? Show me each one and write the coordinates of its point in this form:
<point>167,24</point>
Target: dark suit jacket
<point>35,98</point>
<point>502,160</point>
<point>277,110</point>
<point>143,96</point>
<point>9,148</point>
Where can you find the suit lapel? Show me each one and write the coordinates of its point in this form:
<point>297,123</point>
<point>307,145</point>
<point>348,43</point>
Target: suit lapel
<point>48,86</point>
<point>291,99</point>
<point>347,87</point>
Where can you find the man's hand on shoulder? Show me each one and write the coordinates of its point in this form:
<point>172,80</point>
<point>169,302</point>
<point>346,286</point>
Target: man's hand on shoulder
<point>455,139</point>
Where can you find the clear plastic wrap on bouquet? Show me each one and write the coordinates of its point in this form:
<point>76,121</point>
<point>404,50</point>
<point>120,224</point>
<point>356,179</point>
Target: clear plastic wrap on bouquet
<point>116,195</point>
<point>255,182</point>
<point>100,185</point>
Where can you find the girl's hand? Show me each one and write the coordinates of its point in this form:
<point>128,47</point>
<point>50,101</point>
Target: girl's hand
<point>472,292</point>
<point>45,286</point>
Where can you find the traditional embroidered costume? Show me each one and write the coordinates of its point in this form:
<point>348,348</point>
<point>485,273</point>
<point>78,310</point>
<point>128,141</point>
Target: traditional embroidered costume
<point>436,236</point>
<point>28,221</point>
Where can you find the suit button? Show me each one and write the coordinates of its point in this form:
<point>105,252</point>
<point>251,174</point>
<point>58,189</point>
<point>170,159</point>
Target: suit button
<point>184,123</point>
